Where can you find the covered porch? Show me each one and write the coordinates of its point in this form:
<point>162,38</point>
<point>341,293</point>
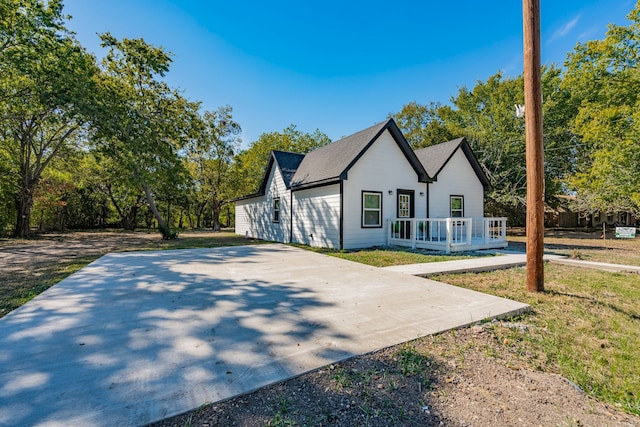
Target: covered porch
<point>448,234</point>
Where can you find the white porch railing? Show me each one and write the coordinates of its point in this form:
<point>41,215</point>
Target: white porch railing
<point>448,234</point>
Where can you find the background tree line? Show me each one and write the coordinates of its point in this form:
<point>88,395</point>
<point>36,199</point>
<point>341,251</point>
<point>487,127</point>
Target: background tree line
<point>93,144</point>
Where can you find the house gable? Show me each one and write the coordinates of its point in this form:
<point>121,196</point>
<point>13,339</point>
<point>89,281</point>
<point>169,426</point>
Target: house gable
<point>382,170</point>
<point>255,214</point>
<point>436,157</point>
<point>286,164</point>
<point>331,163</point>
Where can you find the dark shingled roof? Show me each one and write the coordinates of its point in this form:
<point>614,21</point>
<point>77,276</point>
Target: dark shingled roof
<point>331,163</point>
<point>435,157</point>
<point>288,164</point>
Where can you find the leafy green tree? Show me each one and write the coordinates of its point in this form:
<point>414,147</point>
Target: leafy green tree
<point>211,154</point>
<point>249,164</point>
<point>46,92</point>
<point>144,123</point>
<point>485,116</point>
<point>423,125</point>
<point>604,79</point>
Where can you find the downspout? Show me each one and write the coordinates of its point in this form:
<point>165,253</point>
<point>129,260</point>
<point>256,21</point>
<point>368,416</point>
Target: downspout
<point>291,216</point>
<point>341,214</point>
<point>428,216</point>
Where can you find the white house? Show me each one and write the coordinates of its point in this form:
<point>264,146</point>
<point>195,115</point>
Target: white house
<point>370,189</point>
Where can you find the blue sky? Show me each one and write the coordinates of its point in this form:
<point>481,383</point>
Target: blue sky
<point>338,66</point>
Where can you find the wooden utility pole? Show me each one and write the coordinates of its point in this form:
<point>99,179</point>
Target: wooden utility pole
<point>535,147</point>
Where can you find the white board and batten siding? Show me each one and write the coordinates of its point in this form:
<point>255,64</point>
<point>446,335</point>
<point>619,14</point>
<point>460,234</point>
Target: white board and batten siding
<point>316,214</point>
<point>382,168</point>
<point>254,216</point>
<point>457,178</point>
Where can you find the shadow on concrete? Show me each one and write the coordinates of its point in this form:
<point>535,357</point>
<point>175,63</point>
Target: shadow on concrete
<point>136,337</point>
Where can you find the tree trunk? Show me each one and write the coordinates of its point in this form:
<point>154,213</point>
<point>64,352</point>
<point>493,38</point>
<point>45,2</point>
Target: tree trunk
<point>215,215</point>
<point>167,234</point>
<point>23,203</point>
<point>130,219</point>
<point>199,214</point>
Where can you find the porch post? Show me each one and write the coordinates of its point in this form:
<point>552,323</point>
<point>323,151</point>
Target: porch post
<point>487,223</point>
<point>388,232</point>
<point>414,233</point>
<point>469,230</point>
<point>449,233</point>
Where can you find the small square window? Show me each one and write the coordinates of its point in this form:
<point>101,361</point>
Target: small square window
<point>371,209</point>
<point>276,209</point>
<point>457,206</point>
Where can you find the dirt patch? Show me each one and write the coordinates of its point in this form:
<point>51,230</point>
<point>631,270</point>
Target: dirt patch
<point>17,254</point>
<point>461,378</point>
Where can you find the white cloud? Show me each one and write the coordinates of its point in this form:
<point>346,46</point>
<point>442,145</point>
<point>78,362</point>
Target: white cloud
<point>565,29</point>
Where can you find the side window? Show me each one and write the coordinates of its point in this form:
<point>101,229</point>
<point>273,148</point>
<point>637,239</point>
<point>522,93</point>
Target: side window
<point>457,206</point>
<point>276,209</point>
<point>371,209</point>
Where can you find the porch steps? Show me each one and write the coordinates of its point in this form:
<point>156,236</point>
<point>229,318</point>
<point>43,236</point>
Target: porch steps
<point>489,263</point>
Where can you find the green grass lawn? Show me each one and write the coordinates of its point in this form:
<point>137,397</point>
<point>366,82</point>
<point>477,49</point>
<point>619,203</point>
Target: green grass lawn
<point>388,256</point>
<point>585,326</point>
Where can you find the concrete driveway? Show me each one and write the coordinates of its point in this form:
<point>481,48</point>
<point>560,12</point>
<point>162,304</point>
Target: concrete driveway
<point>136,337</point>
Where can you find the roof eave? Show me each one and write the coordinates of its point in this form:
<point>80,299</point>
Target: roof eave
<point>249,196</point>
<point>321,183</point>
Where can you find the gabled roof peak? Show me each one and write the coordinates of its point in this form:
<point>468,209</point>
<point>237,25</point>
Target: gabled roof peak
<point>435,157</point>
<point>331,163</point>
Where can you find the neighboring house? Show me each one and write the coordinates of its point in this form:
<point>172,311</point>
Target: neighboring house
<point>564,215</point>
<point>355,192</point>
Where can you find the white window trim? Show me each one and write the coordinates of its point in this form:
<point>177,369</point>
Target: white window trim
<point>276,210</point>
<point>408,207</point>
<point>379,209</point>
<point>451,210</point>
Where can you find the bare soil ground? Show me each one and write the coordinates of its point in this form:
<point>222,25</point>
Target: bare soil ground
<point>460,378</point>
<point>22,254</point>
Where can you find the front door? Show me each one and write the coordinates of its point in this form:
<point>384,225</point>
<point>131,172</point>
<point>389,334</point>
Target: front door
<point>405,210</point>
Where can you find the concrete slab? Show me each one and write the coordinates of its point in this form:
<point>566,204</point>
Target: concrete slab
<point>613,268</point>
<point>490,263</point>
<point>136,337</point>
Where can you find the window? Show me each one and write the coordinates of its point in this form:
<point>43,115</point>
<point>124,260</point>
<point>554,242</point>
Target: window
<point>276,209</point>
<point>403,205</point>
<point>457,206</point>
<point>371,209</point>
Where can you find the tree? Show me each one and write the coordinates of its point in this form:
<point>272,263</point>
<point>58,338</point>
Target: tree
<point>423,125</point>
<point>604,80</point>
<point>485,116</point>
<point>211,153</point>
<point>46,88</point>
<point>143,123</point>
<point>249,164</point>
